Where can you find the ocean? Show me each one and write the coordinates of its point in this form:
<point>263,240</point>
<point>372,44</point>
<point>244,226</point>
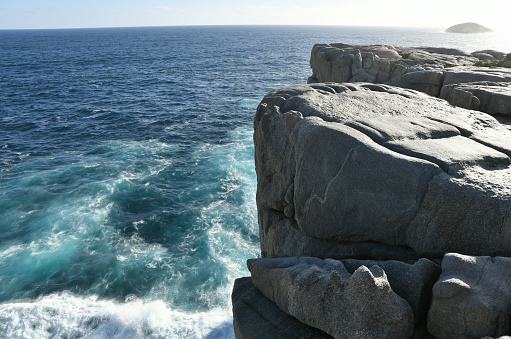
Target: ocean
<point>127,181</point>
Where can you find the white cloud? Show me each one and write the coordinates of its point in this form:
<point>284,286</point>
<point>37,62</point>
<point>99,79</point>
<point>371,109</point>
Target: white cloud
<point>164,8</point>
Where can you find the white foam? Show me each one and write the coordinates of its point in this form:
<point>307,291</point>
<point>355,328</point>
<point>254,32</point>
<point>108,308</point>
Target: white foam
<point>248,103</point>
<point>65,315</point>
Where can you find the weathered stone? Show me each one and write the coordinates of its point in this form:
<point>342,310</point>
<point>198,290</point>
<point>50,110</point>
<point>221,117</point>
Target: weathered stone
<point>429,82</point>
<point>323,294</point>
<point>495,54</point>
<point>413,283</point>
<point>460,75</point>
<point>257,317</point>
<point>490,97</point>
<point>505,63</point>
<point>434,71</point>
<point>281,237</point>
<point>374,166</point>
<point>484,56</point>
<point>472,298</point>
<point>457,96</point>
<point>444,50</point>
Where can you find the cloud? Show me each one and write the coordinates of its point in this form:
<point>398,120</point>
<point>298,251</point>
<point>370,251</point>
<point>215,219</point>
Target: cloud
<point>165,8</point>
<point>261,8</point>
<point>30,11</point>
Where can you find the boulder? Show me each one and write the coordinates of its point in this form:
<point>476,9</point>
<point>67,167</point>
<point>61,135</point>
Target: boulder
<point>484,56</point>
<point>323,294</point>
<point>427,81</point>
<point>490,97</point>
<point>257,317</point>
<point>472,298</point>
<point>379,172</point>
<point>412,282</point>
<point>495,54</point>
<point>444,50</point>
<point>505,63</point>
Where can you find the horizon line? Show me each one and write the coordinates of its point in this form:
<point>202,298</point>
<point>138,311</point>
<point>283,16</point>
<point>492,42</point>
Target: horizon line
<point>225,25</point>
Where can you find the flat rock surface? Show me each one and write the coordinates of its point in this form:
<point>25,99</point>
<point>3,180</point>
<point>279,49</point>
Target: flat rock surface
<point>348,170</point>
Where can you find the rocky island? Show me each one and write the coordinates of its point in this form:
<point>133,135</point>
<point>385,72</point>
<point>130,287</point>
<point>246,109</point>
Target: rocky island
<point>468,27</point>
<point>384,199</point>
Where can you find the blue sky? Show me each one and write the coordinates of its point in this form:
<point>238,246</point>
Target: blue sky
<point>20,14</point>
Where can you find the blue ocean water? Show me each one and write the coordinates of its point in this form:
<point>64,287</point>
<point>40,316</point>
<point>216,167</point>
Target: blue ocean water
<point>127,183</point>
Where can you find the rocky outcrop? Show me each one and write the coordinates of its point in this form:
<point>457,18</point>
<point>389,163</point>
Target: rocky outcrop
<point>429,70</point>
<point>363,189</point>
<point>370,181</point>
<point>471,299</point>
<point>468,27</point>
<point>377,172</point>
<point>486,96</point>
<point>323,294</point>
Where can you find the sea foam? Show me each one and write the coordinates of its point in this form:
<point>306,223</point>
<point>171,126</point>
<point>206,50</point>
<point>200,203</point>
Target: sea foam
<point>66,315</point>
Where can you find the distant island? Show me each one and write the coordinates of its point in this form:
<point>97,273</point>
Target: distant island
<point>468,27</point>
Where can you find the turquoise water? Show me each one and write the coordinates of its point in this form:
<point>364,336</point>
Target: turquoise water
<point>127,183</point>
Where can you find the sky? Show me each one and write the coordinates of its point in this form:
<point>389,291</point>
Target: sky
<point>30,14</point>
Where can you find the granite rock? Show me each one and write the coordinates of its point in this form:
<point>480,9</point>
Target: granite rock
<point>257,317</point>
<point>486,96</point>
<point>472,298</point>
<point>412,282</point>
<point>379,167</point>
<point>323,294</point>
<point>426,69</point>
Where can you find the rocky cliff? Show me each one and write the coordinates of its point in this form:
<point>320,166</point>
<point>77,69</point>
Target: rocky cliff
<point>384,212</point>
<point>438,72</point>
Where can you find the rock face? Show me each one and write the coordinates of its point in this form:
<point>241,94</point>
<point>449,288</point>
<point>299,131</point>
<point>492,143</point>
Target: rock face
<point>376,172</point>
<point>486,96</point>
<point>468,27</point>
<point>364,189</point>
<point>344,305</point>
<point>472,298</point>
<point>429,70</point>
<point>257,317</point>
<point>412,282</point>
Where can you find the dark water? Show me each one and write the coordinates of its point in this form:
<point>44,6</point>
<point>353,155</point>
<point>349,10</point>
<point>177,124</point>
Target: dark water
<point>127,184</point>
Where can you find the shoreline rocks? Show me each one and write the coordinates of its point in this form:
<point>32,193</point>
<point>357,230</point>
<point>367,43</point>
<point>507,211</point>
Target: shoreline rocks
<point>319,193</point>
<point>384,212</point>
<point>426,69</point>
<point>323,294</point>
